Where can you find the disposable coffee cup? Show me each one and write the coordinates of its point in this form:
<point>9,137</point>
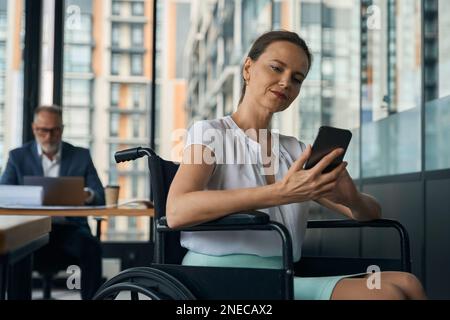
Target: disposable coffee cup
<point>112,195</point>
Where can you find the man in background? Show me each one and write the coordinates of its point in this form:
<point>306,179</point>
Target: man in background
<point>49,156</point>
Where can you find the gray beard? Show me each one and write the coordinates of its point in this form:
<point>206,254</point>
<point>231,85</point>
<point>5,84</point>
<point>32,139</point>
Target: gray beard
<point>51,149</point>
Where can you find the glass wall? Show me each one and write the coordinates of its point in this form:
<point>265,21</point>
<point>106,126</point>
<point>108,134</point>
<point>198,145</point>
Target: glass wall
<point>107,81</point>
<point>12,27</point>
<point>174,30</point>
<point>366,74</point>
<point>78,87</point>
<point>330,95</point>
<point>391,88</point>
<point>256,19</point>
<point>437,85</point>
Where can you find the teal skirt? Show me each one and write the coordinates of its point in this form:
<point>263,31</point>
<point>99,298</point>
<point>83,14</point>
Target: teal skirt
<point>305,288</point>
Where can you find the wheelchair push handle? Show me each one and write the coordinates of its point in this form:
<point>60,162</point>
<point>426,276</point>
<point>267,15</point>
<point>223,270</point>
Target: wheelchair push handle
<point>132,154</point>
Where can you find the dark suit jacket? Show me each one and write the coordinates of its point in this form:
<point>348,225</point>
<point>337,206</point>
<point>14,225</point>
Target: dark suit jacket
<point>75,161</point>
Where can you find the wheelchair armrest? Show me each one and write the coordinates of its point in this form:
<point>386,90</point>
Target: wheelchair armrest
<point>347,223</point>
<point>241,218</point>
<point>380,223</point>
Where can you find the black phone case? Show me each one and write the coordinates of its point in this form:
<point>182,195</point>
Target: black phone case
<point>328,139</point>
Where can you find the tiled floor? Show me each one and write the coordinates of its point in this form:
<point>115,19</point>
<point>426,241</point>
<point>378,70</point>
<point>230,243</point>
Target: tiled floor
<point>58,294</point>
<point>75,295</point>
<point>110,267</point>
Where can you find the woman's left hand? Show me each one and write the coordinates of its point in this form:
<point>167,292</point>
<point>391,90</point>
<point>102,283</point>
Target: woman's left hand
<point>345,191</point>
<point>346,199</point>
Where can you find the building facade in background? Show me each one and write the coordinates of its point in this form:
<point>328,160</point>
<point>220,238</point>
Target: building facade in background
<point>173,25</point>
<point>12,27</point>
<point>221,35</point>
<point>107,87</point>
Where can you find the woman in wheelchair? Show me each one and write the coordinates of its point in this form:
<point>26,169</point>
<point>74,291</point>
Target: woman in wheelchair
<point>211,182</point>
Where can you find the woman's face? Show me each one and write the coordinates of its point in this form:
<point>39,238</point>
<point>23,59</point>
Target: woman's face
<point>275,78</point>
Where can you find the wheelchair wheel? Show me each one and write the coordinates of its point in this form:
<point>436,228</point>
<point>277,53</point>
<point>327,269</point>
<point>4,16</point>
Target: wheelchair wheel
<point>143,284</point>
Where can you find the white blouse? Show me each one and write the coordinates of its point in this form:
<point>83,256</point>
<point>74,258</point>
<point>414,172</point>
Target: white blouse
<point>238,164</point>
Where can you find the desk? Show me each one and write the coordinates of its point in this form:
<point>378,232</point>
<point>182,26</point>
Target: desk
<point>19,237</point>
<point>84,212</point>
<point>26,214</point>
<point>109,212</point>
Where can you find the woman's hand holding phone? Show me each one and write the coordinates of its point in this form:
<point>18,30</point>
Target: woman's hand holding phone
<point>345,191</point>
<point>301,184</point>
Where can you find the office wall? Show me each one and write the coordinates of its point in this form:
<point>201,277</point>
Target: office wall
<point>437,244</point>
<point>401,201</point>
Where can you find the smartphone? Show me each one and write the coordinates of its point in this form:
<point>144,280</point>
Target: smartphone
<point>327,140</point>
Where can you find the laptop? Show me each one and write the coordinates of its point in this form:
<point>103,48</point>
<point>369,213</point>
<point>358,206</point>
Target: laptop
<point>60,191</point>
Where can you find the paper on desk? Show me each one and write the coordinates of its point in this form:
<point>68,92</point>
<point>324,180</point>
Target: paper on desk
<point>21,195</point>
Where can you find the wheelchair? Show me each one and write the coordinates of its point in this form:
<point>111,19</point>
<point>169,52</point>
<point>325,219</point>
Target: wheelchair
<point>167,279</point>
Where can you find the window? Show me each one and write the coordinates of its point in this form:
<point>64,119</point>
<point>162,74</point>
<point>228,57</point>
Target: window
<point>112,180</point>
<point>159,33</point>
<point>77,58</point>
<point>137,35</point>
<point>116,7</point>
<point>136,64</point>
<point>2,89</point>
<point>276,14</point>
<point>333,80</point>
<point>437,85</point>
<point>2,57</point>
<point>135,181</point>
<point>3,21</point>
<point>115,35</point>
<point>391,89</point>
<point>311,13</point>
<point>136,96</point>
<point>77,126</point>
<point>113,177</point>
<point>132,221</point>
<point>115,63</point>
<point>183,23</point>
<point>136,126</point>
<point>137,8</point>
<point>78,85</point>
<point>113,148</point>
<point>78,24</point>
<point>77,92</point>
<point>114,124</point>
<point>96,92</point>
<point>115,87</point>
<point>256,19</point>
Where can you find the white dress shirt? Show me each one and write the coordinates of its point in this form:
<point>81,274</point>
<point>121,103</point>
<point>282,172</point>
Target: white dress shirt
<point>50,167</point>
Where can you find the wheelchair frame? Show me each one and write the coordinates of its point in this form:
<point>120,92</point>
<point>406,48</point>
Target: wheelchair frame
<point>166,279</point>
